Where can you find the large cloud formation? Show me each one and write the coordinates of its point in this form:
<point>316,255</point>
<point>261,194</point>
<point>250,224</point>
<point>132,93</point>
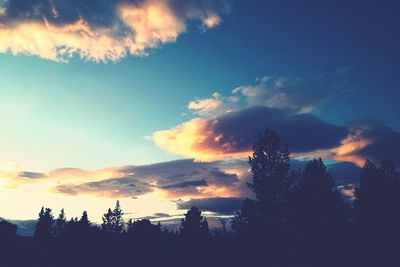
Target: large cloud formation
<point>173,179</point>
<point>227,126</point>
<point>232,134</point>
<point>98,30</point>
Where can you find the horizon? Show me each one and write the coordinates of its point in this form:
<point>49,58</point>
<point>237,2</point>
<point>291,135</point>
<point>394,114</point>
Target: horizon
<point>157,103</point>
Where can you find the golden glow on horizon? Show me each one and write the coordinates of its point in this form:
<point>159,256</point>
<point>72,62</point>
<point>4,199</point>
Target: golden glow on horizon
<point>27,195</point>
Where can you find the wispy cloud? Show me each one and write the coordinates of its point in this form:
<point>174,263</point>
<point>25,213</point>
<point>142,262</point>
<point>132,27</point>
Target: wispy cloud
<point>98,30</point>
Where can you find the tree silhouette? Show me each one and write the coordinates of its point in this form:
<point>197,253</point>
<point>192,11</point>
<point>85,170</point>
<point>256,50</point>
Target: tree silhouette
<point>317,214</point>
<point>113,221</point>
<point>84,220</point>
<point>270,164</point>
<point>377,213</point>
<point>245,221</point>
<point>315,200</point>
<point>44,225</point>
<point>60,224</point>
<point>194,225</point>
<point>143,228</point>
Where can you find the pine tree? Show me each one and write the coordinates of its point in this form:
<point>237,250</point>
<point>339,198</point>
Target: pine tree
<point>317,216</point>
<point>60,224</point>
<point>377,213</point>
<point>84,220</point>
<point>44,225</point>
<point>118,219</point>
<point>315,201</point>
<point>113,221</point>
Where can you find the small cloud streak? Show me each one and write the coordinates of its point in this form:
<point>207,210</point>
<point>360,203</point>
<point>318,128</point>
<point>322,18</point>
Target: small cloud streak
<point>97,31</point>
<point>221,205</point>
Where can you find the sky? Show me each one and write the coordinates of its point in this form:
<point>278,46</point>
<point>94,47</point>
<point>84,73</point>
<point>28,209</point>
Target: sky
<point>157,102</point>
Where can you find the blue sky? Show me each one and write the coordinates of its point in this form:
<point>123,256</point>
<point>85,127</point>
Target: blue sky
<point>337,59</point>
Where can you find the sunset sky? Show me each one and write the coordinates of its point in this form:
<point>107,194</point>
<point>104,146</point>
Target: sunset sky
<point>157,102</point>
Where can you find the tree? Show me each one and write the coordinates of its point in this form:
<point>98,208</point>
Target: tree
<point>43,230</point>
<point>317,215</point>
<point>194,225</point>
<point>113,221</point>
<point>60,224</point>
<point>377,198</point>
<point>84,220</point>
<point>377,213</point>
<point>270,164</point>
<point>143,229</point>
<point>315,201</point>
<point>245,220</point>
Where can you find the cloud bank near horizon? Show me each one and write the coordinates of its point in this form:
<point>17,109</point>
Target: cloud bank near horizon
<point>100,30</point>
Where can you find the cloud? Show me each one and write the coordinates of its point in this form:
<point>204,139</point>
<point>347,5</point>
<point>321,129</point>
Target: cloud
<point>226,126</point>
<point>186,184</point>
<point>32,175</point>
<point>180,178</point>
<point>114,187</point>
<point>232,134</point>
<point>369,140</point>
<point>289,93</point>
<point>222,205</point>
<point>99,31</point>
<point>206,106</point>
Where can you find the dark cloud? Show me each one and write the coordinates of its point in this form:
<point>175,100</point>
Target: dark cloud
<point>383,142</point>
<point>32,175</point>
<point>179,177</point>
<point>121,187</point>
<point>187,184</point>
<point>302,133</point>
<point>222,205</point>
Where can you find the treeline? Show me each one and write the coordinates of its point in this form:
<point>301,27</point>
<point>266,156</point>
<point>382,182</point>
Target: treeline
<point>298,218</point>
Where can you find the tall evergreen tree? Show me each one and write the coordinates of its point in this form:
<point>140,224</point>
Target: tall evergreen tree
<point>315,201</point>
<point>113,221</point>
<point>317,215</point>
<point>60,224</point>
<point>84,220</point>
<point>44,225</point>
<point>377,214</point>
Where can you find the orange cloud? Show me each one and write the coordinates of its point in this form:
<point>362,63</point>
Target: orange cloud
<point>195,139</point>
<point>136,28</point>
<point>349,148</point>
<point>211,20</point>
